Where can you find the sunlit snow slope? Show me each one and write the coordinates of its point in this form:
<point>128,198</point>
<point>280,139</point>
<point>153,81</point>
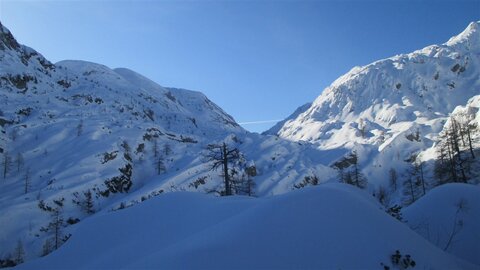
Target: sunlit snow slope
<point>416,87</point>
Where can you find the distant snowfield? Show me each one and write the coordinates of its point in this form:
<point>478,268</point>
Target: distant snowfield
<point>331,226</point>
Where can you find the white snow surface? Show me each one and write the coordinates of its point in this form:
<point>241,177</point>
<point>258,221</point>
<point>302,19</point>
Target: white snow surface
<point>298,230</point>
<point>437,217</point>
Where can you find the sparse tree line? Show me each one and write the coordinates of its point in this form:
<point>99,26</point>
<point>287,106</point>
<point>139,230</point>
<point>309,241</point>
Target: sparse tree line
<point>456,162</point>
<point>54,227</point>
<point>17,257</point>
<point>16,166</point>
<point>456,154</point>
<point>349,171</point>
<point>54,230</point>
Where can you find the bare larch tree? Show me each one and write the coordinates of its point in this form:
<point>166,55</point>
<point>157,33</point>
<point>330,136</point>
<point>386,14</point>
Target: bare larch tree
<point>221,156</point>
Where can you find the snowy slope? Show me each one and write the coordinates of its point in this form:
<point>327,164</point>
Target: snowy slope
<point>76,126</point>
<point>299,230</point>
<point>276,128</point>
<point>393,109</point>
<point>449,217</point>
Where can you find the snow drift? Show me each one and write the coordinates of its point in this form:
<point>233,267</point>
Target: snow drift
<point>449,217</point>
<point>301,229</point>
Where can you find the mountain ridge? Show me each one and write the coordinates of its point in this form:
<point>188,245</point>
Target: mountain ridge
<point>423,83</point>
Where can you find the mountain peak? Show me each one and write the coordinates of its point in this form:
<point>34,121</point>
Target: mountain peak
<point>6,39</point>
<point>470,37</point>
<point>424,84</point>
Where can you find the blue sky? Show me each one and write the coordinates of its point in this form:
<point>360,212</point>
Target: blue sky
<point>258,60</point>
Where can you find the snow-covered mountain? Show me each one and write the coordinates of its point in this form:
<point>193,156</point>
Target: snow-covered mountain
<point>415,87</point>
<point>75,128</point>
<point>276,128</point>
<point>379,109</point>
<point>82,140</point>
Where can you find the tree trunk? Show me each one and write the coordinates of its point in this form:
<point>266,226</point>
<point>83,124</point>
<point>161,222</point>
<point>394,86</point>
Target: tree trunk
<point>412,191</point>
<point>451,159</point>
<point>421,177</point>
<point>470,142</point>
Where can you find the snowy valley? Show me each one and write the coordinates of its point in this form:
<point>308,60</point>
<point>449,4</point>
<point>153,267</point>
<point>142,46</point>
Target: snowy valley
<point>104,168</point>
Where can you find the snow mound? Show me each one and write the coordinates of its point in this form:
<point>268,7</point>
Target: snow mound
<point>298,230</point>
<point>449,217</point>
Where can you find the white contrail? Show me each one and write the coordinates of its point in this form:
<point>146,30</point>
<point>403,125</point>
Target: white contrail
<point>260,122</point>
